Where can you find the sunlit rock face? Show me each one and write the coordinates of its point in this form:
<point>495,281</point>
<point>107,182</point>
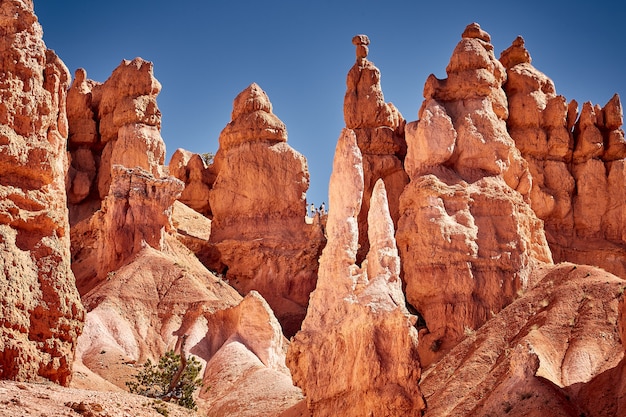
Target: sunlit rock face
<point>40,311</point>
<point>554,351</point>
<point>116,122</point>
<point>379,129</point>
<point>467,236</point>
<point>260,240</point>
<point>357,351</point>
<point>577,162</point>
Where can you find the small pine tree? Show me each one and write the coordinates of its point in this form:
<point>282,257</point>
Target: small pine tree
<point>158,380</point>
<point>208,157</point>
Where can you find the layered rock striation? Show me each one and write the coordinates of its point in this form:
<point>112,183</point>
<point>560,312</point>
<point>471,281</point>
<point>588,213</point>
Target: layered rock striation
<point>356,353</point>
<point>467,236</point>
<point>41,315</point>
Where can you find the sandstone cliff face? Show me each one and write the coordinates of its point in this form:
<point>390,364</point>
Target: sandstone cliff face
<point>259,236</point>
<point>41,313</point>
<point>379,129</point>
<point>116,122</point>
<point>357,320</point>
<point>467,237</point>
<point>577,164</point>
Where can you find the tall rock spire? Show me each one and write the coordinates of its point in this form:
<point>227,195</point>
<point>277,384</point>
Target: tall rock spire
<point>379,129</point>
<point>356,354</point>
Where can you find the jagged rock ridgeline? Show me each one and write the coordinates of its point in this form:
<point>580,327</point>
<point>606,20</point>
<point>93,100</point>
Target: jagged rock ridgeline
<point>41,315</point>
<point>577,164</point>
<point>117,122</point>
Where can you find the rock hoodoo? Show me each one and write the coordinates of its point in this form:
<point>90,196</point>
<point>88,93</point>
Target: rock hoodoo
<point>577,164</point>
<point>105,261</point>
<point>116,122</point>
<point>467,236</point>
<point>259,236</point>
<point>357,351</point>
<point>379,129</point>
<point>40,312</point>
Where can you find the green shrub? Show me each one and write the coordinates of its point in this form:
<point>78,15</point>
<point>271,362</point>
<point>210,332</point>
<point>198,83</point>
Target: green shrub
<point>169,380</point>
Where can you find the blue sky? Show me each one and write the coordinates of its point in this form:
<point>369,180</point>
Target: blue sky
<point>299,52</point>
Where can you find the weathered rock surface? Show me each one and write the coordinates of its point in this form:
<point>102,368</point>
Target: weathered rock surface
<point>246,369</point>
<point>191,169</point>
<point>145,291</point>
<point>467,237</point>
<point>538,355</point>
<point>356,353</point>
<point>40,312</point>
<point>379,129</point>
<point>116,122</point>
<point>259,235</point>
<point>577,164</point>
<point>135,214</point>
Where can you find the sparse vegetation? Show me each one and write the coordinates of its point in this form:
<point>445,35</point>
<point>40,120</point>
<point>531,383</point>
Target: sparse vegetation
<point>208,157</point>
<point>171,379</point>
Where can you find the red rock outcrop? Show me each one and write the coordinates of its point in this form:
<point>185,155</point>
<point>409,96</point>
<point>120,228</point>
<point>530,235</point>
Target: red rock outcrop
<point>40,312</point>
<point>145,291</point>
<point>467,237</point>
<point>379,128</point>
<point>536,356</point>
<point>135,214</point>
<point>191,169</point>
<point>259,235</point>
<point>356,353</point>
<point>116,122</point>
<point>577,163</point>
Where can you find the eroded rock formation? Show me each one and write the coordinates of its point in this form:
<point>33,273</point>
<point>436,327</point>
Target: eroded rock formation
<point>538,355</point>
<point>259,236</point>
<point>191,169</point>
<point>357,320</point>
<point>116,122</point>
<point>467,236</point>
<point>379,129</point>
<point>40,312</point>
<point>577,163</point>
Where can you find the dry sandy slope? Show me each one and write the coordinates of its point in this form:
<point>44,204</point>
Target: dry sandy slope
<point>18,399</point>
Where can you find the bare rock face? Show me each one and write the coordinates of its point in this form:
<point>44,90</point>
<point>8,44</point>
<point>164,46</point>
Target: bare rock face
<point>136,214</point>
<point>467,235</point>
<point>116,122</point>
<point>577,164</point>
<point>538,356</point>
<point>357,351</point>
<point>259,236</point>
<point>379,128</point>
<point>40,311</point>
<point>191,169</point>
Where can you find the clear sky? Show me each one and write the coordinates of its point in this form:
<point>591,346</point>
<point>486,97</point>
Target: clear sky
<point>205,52</point>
